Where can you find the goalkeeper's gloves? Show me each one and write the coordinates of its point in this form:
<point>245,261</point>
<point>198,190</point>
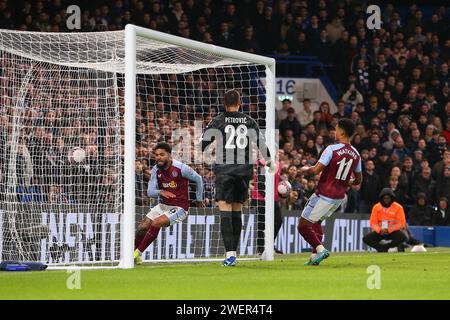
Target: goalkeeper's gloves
<point>272,166</point>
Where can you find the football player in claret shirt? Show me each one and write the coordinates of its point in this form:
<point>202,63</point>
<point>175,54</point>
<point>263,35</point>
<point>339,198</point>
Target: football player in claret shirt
<point>338,164</point>
<point>170,184</point>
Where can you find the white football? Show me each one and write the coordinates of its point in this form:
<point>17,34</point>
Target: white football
<point>77,155</point>
<point>284,187</point>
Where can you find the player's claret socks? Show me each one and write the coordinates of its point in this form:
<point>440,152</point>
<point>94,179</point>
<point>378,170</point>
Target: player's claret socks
<point>150,236</point>
<point>317,228</point>
<point>138,239</point>
<point>307,232</point>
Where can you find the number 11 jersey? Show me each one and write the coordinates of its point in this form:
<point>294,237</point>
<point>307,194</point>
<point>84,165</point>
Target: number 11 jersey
<point>340,161</point>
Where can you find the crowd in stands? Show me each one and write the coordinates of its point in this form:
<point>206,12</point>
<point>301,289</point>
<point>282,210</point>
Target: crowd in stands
<point>393,82</point>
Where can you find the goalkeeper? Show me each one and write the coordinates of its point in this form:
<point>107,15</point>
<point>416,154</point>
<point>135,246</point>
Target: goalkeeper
<point>170,184</point>
<point>234,132</point>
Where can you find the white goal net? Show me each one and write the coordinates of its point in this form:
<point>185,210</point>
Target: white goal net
<point>64,185</point>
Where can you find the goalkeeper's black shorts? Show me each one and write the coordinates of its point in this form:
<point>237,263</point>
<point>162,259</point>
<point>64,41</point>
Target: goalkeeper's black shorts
<point>232,189</point>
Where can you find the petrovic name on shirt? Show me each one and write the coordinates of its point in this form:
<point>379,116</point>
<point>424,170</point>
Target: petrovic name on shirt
<point>235,120</point>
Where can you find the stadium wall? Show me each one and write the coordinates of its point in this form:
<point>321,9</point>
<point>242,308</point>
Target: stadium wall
<point>298,89</point>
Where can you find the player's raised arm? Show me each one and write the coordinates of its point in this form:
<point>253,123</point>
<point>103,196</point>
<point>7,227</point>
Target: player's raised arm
<point>324,160</point>
<point>358,175</point>
<point>208,135</point>
<point>264,149</point>
<point>153,190</point>
<point>190,174</point>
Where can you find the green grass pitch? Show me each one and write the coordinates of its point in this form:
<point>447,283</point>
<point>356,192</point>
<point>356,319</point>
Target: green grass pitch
<point>342,276</point>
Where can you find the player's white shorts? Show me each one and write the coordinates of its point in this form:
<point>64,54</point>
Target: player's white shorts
<point>174,213</point>
<point>319,208</point>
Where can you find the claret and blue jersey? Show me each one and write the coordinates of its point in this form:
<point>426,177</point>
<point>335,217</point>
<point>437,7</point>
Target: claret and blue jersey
<point>176,180</point>
<point>340,161</point>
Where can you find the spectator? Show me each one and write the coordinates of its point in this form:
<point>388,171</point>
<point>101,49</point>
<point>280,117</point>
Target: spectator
<point>249,42</point>
<point>225,38</point>
<point>441,215</point>
<point>352,96</point>
<point>334,29</point>
<point>443,184</point>
<point>305,114</point>
<point>425,184</point>
<point>319,144</point>
<point>297,204</point>
<point>413,140</point>
<point>446,132</point>
<point>317,121</point>
<point>408,175</point>
<point>291,122</point>
<point>325,115</point>
<point>370,187</point>
<point>421,213</point>
<point>362,77</point>
<point>282,113</point>
<point>399,151</point>
<point>322,48</point>
<point>353,200</point>
<point>438,168</point>
<point>341,112</point>
<point>383,167</point>
<point>300,47</point>
<point>399,193</point>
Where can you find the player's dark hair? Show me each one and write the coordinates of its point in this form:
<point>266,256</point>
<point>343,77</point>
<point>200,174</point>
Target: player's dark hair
<point>231,98</point>
<point>348,126</point>
<point>164,146</point>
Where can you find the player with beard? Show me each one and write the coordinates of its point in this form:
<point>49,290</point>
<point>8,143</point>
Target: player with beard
<point>170,184</point>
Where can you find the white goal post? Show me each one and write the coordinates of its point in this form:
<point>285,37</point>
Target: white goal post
<point>150,69</point>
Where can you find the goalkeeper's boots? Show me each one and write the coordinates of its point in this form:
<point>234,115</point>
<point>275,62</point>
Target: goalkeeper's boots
<point>320,257</point>
<point>137,257</point>
<point>229,262</point>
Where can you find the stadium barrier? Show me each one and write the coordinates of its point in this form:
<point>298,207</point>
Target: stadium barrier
<point>342,232</point>
<point>434,236</point>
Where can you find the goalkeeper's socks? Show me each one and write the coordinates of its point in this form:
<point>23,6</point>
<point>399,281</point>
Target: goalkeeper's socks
<point>231,254</point>
<point>226,228</point>
<point>150,236</point>
<point>236,218</point>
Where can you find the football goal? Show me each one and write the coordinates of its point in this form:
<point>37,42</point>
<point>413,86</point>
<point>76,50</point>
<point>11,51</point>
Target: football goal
<point>79,116</point>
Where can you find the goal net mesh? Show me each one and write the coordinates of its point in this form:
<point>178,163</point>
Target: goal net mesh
<point>62,144</point>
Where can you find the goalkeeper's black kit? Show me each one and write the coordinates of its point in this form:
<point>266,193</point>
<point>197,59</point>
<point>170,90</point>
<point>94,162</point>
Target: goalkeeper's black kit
<point>234,132</point>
